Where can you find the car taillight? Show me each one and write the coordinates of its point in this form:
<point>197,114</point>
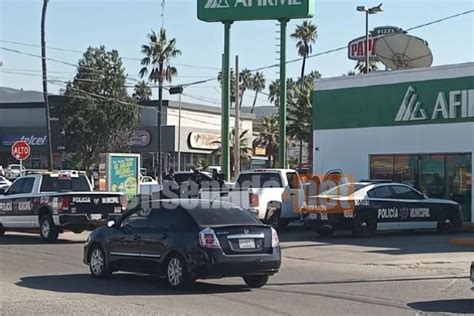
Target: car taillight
<point>253,200</point>
<point>275,240</point>
<point>208,239</point>
<point>123,202</point>
<point>65,201</point>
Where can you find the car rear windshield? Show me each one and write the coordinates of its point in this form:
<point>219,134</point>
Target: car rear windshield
<point>344,189</point>
<point>259,180</point>
<point>222,216</point>
<point>64,184</point>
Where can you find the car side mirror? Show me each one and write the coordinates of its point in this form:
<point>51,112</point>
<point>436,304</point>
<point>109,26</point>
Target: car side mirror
<point>111,223</point>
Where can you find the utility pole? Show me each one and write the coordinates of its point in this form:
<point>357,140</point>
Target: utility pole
<point>282,121</point>
<point>237,121</point>
<point>45,85</point>
<point>226,102</point>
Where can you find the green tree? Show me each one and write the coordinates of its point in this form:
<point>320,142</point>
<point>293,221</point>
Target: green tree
<point>245,83</point>
<point>232,83</point>
<point>300,116</point>
<point>274,95</point>
<point>158,52</point>
<point>203,163</point>
<point>360,66</point>
<point>245,150</point>
<point>269,138</point>
<point>141,91</point>
<point>99,117</point>
<point>305,35</point>
<point>258,85</point>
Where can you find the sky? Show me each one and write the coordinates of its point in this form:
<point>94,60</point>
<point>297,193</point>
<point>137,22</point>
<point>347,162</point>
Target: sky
<point>123,25</point>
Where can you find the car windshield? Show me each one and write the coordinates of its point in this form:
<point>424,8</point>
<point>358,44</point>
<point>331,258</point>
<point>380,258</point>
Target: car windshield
<point>259,180</point>
<point>222,215</point>
<point>344,189</point>
<point>65,184</point>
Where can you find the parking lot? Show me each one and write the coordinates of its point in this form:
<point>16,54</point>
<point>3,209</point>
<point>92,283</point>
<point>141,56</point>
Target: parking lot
<point>390,274</point>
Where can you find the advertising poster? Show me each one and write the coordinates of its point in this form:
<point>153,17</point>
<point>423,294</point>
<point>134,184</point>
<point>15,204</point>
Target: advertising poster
<point>124,174</point>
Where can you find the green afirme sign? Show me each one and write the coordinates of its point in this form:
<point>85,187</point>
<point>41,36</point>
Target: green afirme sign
<point>246,10</point>
<point>408,103</point>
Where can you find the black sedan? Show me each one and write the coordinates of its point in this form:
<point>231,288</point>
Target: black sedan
<point>367,207</point>
<point>184,240</point>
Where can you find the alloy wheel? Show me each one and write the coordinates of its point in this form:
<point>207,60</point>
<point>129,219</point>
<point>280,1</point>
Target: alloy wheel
<point>97,262</point>
<point>175,271</point>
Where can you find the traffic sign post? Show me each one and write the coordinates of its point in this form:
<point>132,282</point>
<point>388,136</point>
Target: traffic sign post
<point>21,151</point>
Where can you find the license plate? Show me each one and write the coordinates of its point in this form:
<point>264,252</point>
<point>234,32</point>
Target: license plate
<point>246,243</point>
<point>118,209</point>
<point>96,217</point>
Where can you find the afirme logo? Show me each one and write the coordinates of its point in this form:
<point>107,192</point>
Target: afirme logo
<point>410,109</point>
<point>217,4</point>
<point>449,105</point>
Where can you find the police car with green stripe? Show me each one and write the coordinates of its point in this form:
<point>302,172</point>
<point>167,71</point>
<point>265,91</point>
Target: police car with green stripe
<point>367,207</point>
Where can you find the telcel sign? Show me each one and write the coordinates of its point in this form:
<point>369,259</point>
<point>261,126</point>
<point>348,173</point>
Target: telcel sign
<point>356,47</point>
<point>246,10</point>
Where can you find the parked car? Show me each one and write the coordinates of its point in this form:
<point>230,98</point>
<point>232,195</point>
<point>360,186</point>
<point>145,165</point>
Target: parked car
<point>367,207</point>
<point>472,276</point>
<point>54,202</point>
<point>184,240</point>
<point>4,183</point>
<point>275,196</point>
<point>148,180</point>
<point>14,171</point>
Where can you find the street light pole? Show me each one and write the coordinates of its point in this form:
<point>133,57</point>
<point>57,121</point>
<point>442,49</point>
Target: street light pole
<point>367,42</point>
<point>368,11</point>
<point>179,134</point>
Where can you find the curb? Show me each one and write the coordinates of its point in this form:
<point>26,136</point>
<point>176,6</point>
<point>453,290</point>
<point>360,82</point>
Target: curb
<point>466,242</point>
<point>467,228</point>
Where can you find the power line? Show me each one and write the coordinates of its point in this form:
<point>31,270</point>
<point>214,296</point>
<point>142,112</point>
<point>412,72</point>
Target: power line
<point>81,52</point>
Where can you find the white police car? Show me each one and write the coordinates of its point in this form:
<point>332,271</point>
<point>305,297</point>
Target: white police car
<point>367,207</point>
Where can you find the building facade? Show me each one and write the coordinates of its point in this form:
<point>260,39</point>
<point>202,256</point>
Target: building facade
<point>410,126</point>
<point>199,136</point>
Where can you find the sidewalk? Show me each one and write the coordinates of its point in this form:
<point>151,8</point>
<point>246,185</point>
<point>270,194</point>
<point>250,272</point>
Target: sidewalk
<point>466,242</point>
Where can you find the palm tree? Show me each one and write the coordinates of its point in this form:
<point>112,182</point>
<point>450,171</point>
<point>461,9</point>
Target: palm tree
<point>257,86</point>
<point>269,138</point>
<point>246,152</point>
<point>305,34</point>
<point>299,117</point>
<point>274,95</point>
<point>232,83</point>
<point>360,66</point>
<point>141,91</point>
<point>245,82</point>
<point>158,54</point>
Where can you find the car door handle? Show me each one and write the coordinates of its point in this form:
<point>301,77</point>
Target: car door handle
<point>165,236</point>
<point>136,237</point>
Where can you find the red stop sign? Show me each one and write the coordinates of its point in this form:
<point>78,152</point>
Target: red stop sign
<point>20,150</point>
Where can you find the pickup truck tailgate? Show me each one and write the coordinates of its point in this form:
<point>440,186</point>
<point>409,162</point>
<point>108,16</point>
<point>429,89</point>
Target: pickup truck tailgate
<point>95,205</point>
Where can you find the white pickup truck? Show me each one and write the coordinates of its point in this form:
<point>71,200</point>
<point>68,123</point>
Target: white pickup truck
<point>275,196</point>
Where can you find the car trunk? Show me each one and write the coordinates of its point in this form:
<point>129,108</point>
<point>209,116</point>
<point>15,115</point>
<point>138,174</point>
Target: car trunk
<point>239,240</point>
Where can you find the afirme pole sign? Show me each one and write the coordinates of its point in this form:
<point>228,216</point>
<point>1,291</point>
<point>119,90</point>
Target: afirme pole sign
<point>229,11</point>
<point>247,10</point>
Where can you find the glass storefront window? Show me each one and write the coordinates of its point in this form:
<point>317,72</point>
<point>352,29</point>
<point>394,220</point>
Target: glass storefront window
<point>406,169</point>
<point>443,176</point>
<point>432,175</point>
<point>459,181</point>
<point>381,167</point>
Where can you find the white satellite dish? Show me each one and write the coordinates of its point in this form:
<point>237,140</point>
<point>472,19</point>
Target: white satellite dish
<point>402,51</point>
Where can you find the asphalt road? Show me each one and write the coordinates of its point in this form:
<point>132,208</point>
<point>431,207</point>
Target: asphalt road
<point>391,274</point>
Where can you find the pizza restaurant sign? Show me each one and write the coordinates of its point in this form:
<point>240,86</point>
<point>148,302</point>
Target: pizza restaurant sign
<point>356,47</point>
